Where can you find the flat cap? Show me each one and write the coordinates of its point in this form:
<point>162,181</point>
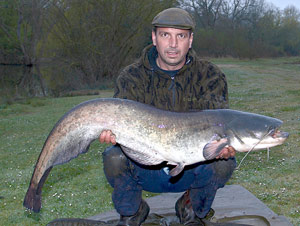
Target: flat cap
<point>174,18</point>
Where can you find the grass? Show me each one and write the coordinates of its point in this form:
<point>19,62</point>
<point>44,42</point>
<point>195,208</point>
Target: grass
<point>23,129</point>
<point>270,87</point>
<point>79,188</point>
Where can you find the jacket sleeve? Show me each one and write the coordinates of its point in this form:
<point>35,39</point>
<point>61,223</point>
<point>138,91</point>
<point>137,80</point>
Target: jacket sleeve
<point>216,89</point>
<point>129,85</point>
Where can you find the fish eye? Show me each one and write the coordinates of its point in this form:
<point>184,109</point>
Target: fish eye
<point>271,129</point>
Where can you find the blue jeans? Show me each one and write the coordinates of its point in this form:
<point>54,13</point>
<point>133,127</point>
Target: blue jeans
<point>129,178</point>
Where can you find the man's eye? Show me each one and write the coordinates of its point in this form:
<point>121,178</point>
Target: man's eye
<point>164,34</point>
<point>181,36</point>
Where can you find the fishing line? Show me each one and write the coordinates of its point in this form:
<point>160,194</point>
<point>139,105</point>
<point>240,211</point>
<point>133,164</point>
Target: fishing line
<point>253,148</point>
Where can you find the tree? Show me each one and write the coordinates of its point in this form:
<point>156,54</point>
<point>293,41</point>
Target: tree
<point>98,37</point>
<point>9,46</point>
<point>22,26</point>
<point>206,12</point>
<point>290,31</point>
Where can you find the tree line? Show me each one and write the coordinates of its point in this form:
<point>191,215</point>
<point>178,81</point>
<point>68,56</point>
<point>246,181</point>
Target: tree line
<point>245,28</point>
<point>98,37</point>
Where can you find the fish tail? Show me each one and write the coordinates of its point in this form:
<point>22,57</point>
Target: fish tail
<point>32,200</point>
<point>33,197</point>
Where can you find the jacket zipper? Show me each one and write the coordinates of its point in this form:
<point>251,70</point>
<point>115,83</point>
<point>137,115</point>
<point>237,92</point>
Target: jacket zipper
<point>172,86</point>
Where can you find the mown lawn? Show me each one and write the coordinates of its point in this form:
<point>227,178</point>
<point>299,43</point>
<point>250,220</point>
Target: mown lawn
<point>270,87</point>
<point>79,188</point>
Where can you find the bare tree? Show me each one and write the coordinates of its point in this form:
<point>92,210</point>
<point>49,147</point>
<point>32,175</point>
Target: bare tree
<point>98,37</point>
<point>206,12</point>
<point>31,14</point>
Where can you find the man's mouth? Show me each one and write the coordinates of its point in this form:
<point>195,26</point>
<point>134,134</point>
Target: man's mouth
<point>172,52</point>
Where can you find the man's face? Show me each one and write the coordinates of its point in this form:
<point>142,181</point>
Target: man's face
<point>172,45</point>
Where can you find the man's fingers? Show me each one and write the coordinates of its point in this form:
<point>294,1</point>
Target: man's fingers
<point>231,151</point>
<point>102,136</point>
<point>113,139</point>
<point>110,138</point>
<point>107,136</point>
<point>226,153</point>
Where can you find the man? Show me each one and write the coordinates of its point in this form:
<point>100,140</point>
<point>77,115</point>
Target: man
<point>169,76</point>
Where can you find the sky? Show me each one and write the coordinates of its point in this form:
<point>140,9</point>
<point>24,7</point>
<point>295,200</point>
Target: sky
<point>284,3</point>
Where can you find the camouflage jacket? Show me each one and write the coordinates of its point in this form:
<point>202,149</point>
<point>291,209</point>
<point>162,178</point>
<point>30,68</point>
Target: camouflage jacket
<point>198,85</point>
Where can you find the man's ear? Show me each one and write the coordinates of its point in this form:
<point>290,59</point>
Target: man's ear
<point>154,38</point>
<point>191,39</point>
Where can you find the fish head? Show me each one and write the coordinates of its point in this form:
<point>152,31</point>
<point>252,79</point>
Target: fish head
<point>256,132</point>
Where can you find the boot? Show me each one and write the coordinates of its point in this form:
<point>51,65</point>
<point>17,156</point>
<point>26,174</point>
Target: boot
<point>136,219</point>
<point>186,214</point>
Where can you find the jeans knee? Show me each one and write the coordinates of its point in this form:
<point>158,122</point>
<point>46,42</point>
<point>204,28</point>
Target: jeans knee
<point>224,168</point>
<point>114,162</point>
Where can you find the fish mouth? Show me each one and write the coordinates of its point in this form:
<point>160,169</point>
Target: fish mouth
<point>277,138</point>
<point>273,138</point>
<point>277,134</point>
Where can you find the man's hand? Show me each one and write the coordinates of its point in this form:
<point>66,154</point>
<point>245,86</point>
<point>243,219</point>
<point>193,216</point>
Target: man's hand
<point>107,136</point>
<point>226,153</point>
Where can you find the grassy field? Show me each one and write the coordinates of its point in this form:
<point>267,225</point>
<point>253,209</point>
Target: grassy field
<point>79,188</point>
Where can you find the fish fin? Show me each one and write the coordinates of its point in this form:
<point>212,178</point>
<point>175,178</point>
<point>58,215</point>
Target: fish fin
<point>213,148</point>
<point>177,170</point>
<point>146,158</point>
<point>73,151</point>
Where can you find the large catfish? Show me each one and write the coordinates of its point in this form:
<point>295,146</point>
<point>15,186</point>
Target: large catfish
<point>151,136</point>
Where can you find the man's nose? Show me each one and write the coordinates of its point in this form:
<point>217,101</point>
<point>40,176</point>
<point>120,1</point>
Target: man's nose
<point>173,42</point>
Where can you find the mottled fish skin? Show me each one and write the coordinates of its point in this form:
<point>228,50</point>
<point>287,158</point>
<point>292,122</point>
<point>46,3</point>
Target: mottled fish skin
<point>149,136</point>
